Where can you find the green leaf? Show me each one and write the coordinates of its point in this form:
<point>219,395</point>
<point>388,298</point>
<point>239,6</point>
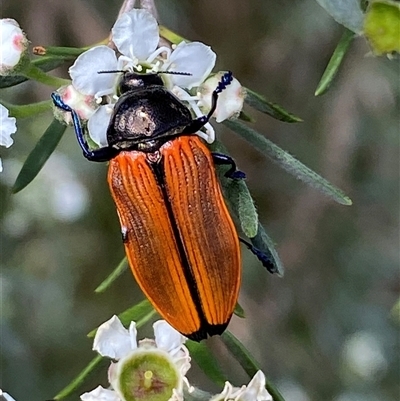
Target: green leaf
<point>39,155</point>
<point>264,243</point>
<point>259,103</point>
<point>395,312</point>
<point>237,196</point>
<point>122,266</point>
<point>245,117</point>
<point>139,313</point>
<point>239,311</point>
<point>346,12</point>
<point>288,162</point>
<point>44,63</point>
<point>247,362</point>
<point>95,364</point>
<point>206,361</point>
<point>382,26</point>
<point>335,62</point>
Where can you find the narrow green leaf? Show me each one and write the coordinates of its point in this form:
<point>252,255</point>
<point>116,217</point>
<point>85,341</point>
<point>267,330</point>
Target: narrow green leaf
<point>288,162</point>
<point>238,197</point>
<point>39,155</point>
<point>206,361</point>
<point>263,242</point>
<point>139,313</point>
<point>395,312</point>
<point>44,63</point>
<point>259,103</point>
<point>95,364</point>
<point>334,63</point>
<point>248,363</point>
<point>239,311</point>
<point>245,117</point>
<point>122,266</point>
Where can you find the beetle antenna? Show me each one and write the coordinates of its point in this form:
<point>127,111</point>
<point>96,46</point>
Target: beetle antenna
<point>174,73</point>
<point>110,72</point>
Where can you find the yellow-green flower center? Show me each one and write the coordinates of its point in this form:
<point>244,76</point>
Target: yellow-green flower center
<point>148,376</point>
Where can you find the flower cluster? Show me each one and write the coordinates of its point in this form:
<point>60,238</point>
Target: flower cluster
<point>136,36</point>
<point>154,370</point>
<point>93,95</point>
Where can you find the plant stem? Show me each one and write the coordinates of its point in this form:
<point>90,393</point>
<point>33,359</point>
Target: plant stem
<point>27,110</point>
<point>36,74</point>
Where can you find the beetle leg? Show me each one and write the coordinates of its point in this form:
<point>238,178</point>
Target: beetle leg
<point>198,123</point>
<point>97,155</point>
<point>262,256</point>
<point>233,172</point>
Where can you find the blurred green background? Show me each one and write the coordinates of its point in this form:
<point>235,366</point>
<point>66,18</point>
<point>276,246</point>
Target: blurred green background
<point>323,332</point>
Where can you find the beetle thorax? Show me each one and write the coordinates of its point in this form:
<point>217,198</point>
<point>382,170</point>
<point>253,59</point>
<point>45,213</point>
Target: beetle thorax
<point>144,115</point>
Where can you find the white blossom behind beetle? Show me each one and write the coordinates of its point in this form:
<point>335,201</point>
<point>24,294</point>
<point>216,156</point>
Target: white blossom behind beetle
<point>144,369</point>
<point>8,127</point>
<point>254,391</point>
<point>230,101</point>
<point>12,46</point>
<point>136,36</point>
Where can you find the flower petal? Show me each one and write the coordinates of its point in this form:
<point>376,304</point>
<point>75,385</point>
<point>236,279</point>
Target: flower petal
<point>230,100</point>
<point>6,396</point>
<point>84,105</point>
<point>12,44</point>
<point>100,394</point>
<point>112,339</point>
<point>85,71</point>
<point>98,124</point>
<point>8,127</point>
<point>166,337</point>
<point>255,390</point>
<point>195,58</point>
<point>136,34</point>
<point>1,166</point>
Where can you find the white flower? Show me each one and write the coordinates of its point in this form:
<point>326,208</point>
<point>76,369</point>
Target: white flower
<point>254,391</point>
<point>230,101</point>
<point>7,128</point>
<point>142,369</point>
<point>136,37</point>
<point>6,396</point>
<point>13,44</point>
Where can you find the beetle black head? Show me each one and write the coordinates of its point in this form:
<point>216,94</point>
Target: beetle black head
<point>133,80</point>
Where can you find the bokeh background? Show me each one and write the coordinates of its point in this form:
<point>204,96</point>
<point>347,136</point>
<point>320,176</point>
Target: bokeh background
<point>323,332</point>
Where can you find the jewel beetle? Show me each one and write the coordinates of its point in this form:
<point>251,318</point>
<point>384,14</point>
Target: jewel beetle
<point>180,241</point>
